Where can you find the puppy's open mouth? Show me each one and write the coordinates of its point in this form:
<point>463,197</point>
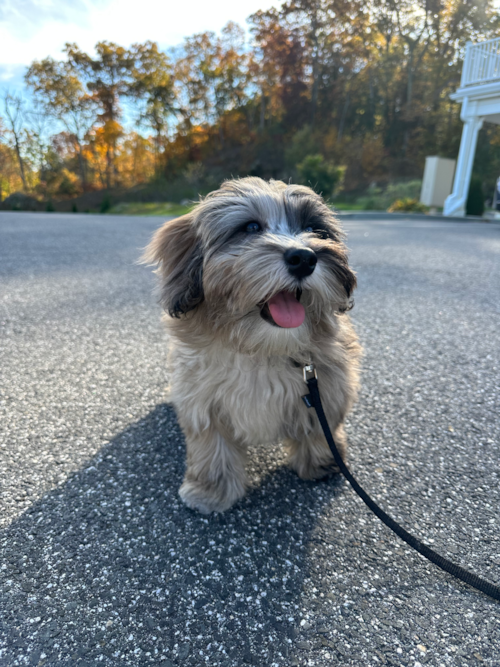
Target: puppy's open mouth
<point>284,310</point>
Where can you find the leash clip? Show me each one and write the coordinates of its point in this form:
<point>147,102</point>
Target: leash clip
<point>309,372</point>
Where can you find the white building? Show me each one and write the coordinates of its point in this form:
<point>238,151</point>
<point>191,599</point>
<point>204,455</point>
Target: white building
<point>479,94</point>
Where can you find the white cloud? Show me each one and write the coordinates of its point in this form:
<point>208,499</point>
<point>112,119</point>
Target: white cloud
<point>20,14</point>
<point>34,29</point>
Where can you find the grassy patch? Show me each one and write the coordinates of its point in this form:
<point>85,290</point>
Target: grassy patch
<point>150,208</point>
<point>347,206</point>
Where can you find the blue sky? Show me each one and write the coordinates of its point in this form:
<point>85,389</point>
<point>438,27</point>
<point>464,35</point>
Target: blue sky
<point>33,29</point>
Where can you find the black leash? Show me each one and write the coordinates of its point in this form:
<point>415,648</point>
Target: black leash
<point>313,400</point>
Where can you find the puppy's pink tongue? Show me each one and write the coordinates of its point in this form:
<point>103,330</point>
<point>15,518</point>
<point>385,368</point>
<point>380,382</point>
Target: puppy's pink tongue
<point>286,311</point>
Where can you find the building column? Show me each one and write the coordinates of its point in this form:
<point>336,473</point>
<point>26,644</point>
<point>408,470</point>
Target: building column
<point>455,203</point>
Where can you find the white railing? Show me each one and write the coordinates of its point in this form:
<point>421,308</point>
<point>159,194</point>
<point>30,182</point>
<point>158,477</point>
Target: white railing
<point>481,63</point>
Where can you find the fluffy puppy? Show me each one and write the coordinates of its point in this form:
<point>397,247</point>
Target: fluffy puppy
<point>255,282</point>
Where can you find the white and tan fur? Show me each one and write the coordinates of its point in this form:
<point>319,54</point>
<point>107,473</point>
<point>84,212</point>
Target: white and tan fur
<point>236,378</point>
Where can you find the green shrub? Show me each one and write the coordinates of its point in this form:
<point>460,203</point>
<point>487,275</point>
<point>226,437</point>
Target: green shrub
<point>105,204</point>
<point>369,204</point>
<point>319,174</point>
<point>303,143</point>
<point>377,199</point>
<point>69,184</point>
<point>74,208</point>
<point>475,200</point>
<point>407,205</point>
<point>50,206</point>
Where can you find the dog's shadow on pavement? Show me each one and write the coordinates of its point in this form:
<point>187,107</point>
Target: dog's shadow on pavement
<point>111,568</point>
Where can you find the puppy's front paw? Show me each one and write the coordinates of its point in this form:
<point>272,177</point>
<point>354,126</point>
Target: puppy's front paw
<point>308,470</point>
<point>207,498</point>
<point>325,470</point>
<point>312,458</point>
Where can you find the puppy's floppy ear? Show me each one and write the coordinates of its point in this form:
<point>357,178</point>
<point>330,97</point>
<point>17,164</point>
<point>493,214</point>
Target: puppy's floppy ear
<point>177,250</point>
<point>346,276</point>
<point>349,282</point>
<point>337,260</point>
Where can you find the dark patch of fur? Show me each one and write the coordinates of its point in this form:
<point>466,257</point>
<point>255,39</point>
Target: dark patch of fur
<point>177,250</point>
<point>185,291</point>
<point>303,210</point>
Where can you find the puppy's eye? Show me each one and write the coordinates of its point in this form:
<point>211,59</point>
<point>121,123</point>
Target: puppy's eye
<point>253,227</point>
<point>317,230</point>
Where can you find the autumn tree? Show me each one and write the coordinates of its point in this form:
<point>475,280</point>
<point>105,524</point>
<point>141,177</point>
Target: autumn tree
<point>212,75</point>
<point>152,87</point>
<point>329,28</point>
<point>108,76</point>
<point>282,69</point>
<point>37,140</point>
<point>59,90</point>
<point>15,115</point>
<point>9,171</point>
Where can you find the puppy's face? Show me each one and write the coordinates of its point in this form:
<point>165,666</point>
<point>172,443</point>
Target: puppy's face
<point>260,265</point>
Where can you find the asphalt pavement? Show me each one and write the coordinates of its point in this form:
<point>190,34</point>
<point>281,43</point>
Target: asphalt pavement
<point>100,562</point>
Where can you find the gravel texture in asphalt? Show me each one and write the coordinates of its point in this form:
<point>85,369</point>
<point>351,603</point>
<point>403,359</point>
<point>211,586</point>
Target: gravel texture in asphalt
<point>100,562</point>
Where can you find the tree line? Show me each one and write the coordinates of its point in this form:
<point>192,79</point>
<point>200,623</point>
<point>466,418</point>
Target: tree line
<point>330,91</point>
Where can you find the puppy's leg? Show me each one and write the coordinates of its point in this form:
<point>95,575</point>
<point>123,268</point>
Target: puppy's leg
<point>215,477</point>
<point>311,457</point>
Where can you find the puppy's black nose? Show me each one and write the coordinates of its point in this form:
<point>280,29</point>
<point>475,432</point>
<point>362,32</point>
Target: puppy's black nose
<point>301,262</point>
